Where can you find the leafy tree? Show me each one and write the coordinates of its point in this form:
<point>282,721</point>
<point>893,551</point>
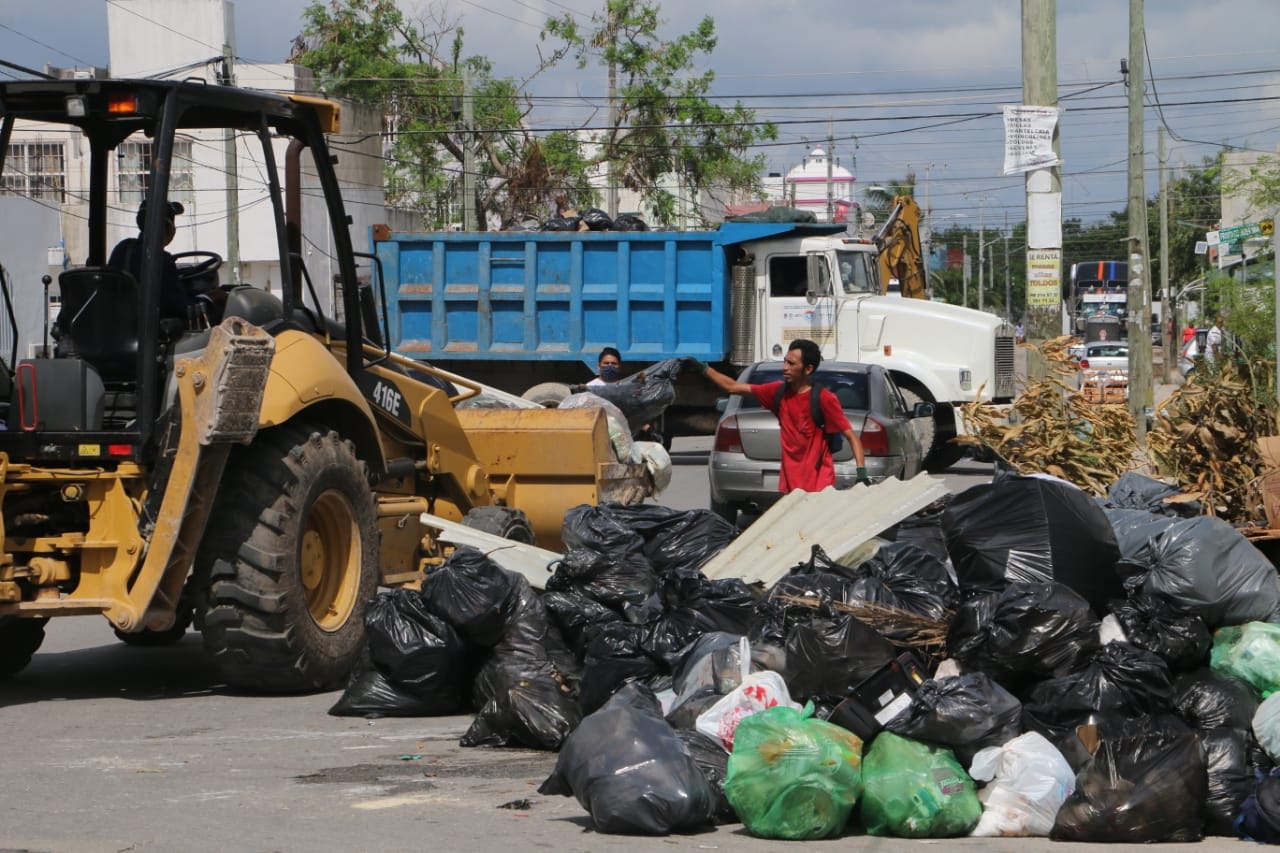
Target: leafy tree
<point>661,121</point>
<point>415,73</point>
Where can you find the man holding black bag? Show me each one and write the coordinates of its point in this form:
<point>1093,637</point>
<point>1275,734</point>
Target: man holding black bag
<point>807,463</point>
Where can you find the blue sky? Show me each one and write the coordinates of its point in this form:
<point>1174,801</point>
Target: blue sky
<point>885,80</point>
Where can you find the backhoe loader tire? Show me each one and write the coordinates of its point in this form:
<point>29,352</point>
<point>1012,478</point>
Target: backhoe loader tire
<point>501,521</point>
<point>291,558</point>
<point>146,638</point>
<point>549,395</point>
<point>19,639</point>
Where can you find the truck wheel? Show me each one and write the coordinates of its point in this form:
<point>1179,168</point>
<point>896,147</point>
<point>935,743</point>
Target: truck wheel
<point>291,560</point>
<point>501,521</point>
<point>19,639</point>
<point>549,395</point>
<point>146,638</point>
<point>939,453</point>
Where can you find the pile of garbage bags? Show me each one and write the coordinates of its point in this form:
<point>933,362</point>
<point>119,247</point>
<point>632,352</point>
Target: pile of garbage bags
<point>1111,672</point>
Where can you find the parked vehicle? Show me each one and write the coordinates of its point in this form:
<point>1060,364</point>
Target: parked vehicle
<point>528,312</point>
<point>1104,372</point>
<point>746,457</point>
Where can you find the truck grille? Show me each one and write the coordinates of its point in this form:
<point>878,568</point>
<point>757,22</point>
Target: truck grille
<point>1006,382</point>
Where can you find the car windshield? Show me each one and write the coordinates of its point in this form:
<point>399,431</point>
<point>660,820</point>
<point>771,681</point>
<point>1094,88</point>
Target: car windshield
<point>1108,351</point>
<point>850,388</point>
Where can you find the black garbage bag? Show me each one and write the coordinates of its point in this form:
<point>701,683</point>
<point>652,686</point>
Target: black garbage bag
<point>1120,677</point>
<point>1210,700</point>
<point>905,577</point>
<point>615,654</point>
<point>370,693</point>
<point>965,712</point>
<point>1032,530</point>
<point>629,222</point>
<point>1160,625</point>
<point>473,594</point>
<point>630,770</point>
<point>675,539</point>
<point>417,651</point>
<point>598,529</point>
<point>532,631</point>
<point>1259,818</point>
<point>1138,789</point>
<point>1228,753</point>
<point>574,612</point>
<point>923,529</point>
<point>1138,491</point>
<point>524,700</point>
<point>596,219</point>
<point>562,223</point>
<point>1136,531</point>
<point>614,579</point>
<point>645,395</point>
<point>1209,567</point>
<point>1038,629</point>
<point>726,604</point>
<point>669,630</point>
<point>713,761</point>
<point>830,655</point>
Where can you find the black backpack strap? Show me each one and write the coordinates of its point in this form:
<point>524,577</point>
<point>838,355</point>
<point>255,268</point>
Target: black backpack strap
<point>815,407</point>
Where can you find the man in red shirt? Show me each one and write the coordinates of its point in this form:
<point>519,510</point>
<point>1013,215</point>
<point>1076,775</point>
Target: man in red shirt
<point>806,461</point>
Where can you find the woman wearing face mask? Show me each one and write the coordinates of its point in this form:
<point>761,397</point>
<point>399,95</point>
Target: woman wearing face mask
<point>610,366</point>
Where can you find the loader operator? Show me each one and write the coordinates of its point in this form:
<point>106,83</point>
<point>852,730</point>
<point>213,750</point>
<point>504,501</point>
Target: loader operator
<point>177,299</point>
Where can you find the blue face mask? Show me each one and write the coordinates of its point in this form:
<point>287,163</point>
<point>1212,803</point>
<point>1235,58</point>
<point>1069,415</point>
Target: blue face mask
<point>610,372</point>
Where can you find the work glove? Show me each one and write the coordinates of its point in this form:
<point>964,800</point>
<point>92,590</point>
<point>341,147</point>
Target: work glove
<point>862,476</point>
<point>693,364</point>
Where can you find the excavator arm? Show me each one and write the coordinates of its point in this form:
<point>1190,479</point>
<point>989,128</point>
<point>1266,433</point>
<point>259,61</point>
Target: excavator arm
<point>901,256</point>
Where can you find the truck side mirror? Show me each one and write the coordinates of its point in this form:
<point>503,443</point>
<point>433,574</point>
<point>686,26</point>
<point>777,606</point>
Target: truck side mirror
<point>922,410</point>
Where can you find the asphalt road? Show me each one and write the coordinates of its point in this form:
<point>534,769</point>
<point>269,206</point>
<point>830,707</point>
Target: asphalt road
<point>110,748</point>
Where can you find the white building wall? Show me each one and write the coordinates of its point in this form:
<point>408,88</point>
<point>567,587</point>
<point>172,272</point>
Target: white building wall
<point>150,37</point>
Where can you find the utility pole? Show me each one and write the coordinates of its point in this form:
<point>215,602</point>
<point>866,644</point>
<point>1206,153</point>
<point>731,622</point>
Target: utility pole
<point>1167,345</point>
<point>831,202</point>
<point>469,217</point>
<point>1008,288</point>
<point>611,188</point>
<point>1043,185</point>
<point>982,206</point>
<point>233,183</point>
<point>1139,301</point>
<point>964,275</point>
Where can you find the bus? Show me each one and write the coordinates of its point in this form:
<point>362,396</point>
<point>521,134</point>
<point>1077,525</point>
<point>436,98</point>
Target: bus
<point>1096,288</point>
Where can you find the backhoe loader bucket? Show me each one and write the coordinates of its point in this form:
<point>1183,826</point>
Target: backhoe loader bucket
<point>545,461</point>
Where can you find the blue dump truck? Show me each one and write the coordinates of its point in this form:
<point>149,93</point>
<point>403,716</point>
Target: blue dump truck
<point>528,312</point>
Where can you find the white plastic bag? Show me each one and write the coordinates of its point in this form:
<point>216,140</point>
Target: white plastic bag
<point>759,690</point>
<point>1032,781</point>
<point>657,460</point>
<point>1266,725</point>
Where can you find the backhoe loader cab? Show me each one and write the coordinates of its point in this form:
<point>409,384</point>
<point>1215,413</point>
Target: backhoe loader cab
<point>262,472</point>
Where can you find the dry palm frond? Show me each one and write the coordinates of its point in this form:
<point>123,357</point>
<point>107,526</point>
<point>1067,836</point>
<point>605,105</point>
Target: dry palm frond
<point>1052,429</point>
<point>900,627</point>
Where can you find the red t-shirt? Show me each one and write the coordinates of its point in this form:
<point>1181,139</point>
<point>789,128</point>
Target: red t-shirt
<point>806,462</point>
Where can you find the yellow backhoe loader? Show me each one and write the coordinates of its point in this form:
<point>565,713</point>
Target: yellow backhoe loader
<point>259,463</point>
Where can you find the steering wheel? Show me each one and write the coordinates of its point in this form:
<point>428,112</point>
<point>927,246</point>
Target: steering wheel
<point>194,274</point>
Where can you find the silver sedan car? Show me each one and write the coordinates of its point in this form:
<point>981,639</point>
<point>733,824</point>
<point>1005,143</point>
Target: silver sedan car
<point>746,456</point>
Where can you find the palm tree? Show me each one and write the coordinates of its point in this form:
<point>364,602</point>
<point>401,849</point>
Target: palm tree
<point>878,198</point>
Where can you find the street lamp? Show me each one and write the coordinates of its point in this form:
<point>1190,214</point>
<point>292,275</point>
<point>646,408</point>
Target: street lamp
<point>982,204</point>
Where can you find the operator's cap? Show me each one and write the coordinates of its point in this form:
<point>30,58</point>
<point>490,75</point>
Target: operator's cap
<point>172,209</point>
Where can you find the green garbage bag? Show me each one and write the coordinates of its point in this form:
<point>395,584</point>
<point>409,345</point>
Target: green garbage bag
<point>792,776</point>
<point>1249,652</point>
<point>914,790</point>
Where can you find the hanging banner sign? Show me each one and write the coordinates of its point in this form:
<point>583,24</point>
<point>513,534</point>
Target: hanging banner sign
<point>1028,138</point>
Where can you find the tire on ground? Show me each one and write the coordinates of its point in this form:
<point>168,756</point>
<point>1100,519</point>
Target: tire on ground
<point>501,521</point>
<point>19,639</point>
<point>548,394</point>
<point>289,562</point>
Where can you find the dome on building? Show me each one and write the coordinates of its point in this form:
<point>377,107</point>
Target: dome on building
<point>805,186</point>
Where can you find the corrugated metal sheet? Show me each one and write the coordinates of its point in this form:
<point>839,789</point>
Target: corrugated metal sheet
<point>528,560</point>
<point>839,521</point>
